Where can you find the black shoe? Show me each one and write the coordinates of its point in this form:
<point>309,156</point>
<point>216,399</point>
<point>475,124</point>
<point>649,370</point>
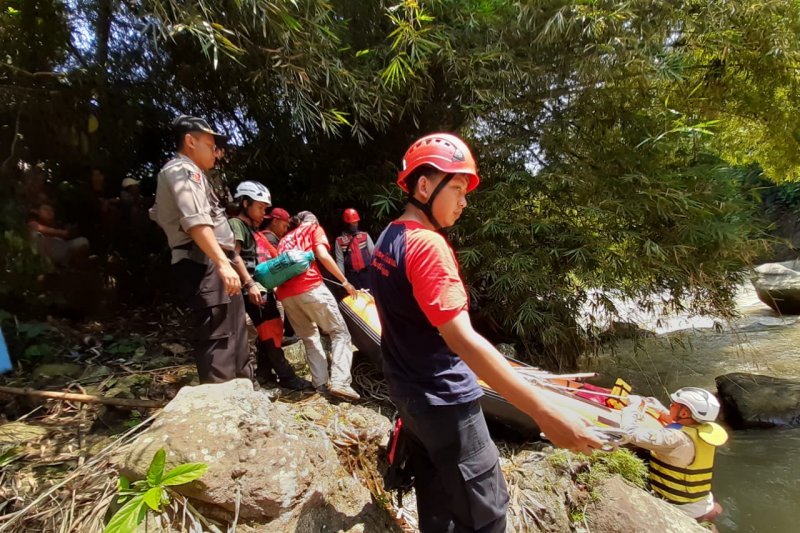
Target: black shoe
<point>296,383</point>
<point>267,380</point>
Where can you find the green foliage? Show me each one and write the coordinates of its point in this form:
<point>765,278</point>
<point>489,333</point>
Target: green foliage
<point>622,462</point>
<point>126,347</point>
<point>560,459</point>
<point>614,140</point>
<point>32,340</point>
<point>150,493</point>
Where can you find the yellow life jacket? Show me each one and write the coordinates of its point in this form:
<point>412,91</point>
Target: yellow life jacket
<point>693,482</point>
<point>622,389</point>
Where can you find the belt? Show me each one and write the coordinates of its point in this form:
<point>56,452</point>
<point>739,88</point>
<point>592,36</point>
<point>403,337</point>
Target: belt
<point>190,250</point>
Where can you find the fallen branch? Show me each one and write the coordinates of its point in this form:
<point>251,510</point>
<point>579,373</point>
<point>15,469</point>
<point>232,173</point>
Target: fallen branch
<point>83,398</point>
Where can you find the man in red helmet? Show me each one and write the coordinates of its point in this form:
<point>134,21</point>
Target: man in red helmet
<point>353,251</point>
<point>432,357</point>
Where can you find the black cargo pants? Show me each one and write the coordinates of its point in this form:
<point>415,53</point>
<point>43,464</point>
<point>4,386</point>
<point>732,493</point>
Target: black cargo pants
<point>219,331</point>
<point>457,476</point>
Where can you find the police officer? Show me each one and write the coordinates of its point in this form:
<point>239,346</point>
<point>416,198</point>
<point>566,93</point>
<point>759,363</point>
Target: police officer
<point>202,244</point>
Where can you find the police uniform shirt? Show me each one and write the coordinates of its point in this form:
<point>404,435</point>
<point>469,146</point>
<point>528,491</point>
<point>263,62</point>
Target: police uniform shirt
<point>185,199</point>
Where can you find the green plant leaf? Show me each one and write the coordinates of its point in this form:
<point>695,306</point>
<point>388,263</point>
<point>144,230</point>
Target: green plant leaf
<point>35,351</point>
<point>156,469</point>
<point>128,518</point>
<point>31,330</point>
<point>184,474</point>
<point>123,483</point>
<point>153,498</point>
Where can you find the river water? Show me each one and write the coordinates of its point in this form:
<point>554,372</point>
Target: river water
<point>757,473</point>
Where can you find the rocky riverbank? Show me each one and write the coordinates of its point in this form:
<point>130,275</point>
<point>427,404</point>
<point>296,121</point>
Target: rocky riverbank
<point>276,461</point>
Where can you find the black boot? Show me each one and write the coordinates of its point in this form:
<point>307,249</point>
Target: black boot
<point>286,376</point>
<point>265,373</point>
<point>295,383</point>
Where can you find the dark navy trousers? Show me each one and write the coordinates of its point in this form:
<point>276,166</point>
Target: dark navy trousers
<point>458,481</point>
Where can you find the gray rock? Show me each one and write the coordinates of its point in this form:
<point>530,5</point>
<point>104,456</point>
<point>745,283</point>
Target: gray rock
<point>623,507</point>
<point>283,468</point>
<point>756,401</point>
<point>778,286</point>
<point>546,498</point>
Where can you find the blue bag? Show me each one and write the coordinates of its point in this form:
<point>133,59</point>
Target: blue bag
<point>5,359</point>
<point>289,264</point>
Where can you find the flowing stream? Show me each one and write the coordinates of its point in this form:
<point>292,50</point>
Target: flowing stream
<point>757,473</point>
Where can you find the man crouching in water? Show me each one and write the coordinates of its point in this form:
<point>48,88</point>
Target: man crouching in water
<point>682,453</point>
<point>431,353</point>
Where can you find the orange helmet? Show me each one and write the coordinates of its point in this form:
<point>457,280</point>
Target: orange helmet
<point>350,216</point>
<point>443,151</point>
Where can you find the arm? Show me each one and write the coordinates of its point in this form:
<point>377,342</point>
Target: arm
<point>248,283</point>
<point>370,245</point>
<point>337,251</point>
<point>321,252</point>
<point>564,429</point>
<point>48,231</point>
<point>205,239</point>
<point>673,445</point>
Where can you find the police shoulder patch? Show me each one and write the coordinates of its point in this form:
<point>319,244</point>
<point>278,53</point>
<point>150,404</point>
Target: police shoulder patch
<point>196,177</point>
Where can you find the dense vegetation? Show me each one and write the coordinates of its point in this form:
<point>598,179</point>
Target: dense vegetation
<point>620,143</point>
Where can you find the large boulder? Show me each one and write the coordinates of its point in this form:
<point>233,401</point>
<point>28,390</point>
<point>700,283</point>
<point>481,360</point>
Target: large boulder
<point>778,286</point>
<point>621,507</point>
<point>276,459</point>
<point>556,491</point>
<point>755,401</point>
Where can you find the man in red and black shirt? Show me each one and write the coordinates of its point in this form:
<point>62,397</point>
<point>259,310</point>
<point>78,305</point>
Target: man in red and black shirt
<point>310,306</point>
<point>431,353</point>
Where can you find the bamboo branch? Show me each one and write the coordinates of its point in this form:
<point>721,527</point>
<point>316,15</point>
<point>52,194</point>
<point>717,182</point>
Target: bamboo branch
<point>84,398</point>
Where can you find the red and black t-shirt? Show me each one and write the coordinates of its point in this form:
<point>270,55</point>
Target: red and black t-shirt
<point>304,238</point>
<point>417,288</point>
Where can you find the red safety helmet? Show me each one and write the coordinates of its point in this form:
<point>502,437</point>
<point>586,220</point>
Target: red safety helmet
<point>350,216</point>
<point>443,151</point>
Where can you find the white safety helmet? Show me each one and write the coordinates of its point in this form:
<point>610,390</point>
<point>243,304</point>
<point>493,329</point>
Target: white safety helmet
<point>703,405</point>
<point>253,190</point>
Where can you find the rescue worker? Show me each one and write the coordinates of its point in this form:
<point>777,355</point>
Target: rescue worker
<point>431,353</point>
<point>353,251</point>
<point>277,225</point>
<point>261,306</point>
<point>682,453</point>
<point>203,248</point>
<point>310,307</point>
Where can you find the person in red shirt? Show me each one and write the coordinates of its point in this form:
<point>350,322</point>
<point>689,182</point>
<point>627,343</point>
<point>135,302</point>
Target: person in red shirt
<point>310,306</point>
<point>432,357</point>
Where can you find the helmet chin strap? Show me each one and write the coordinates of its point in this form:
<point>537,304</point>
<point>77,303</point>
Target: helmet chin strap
<point>427,207</point>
